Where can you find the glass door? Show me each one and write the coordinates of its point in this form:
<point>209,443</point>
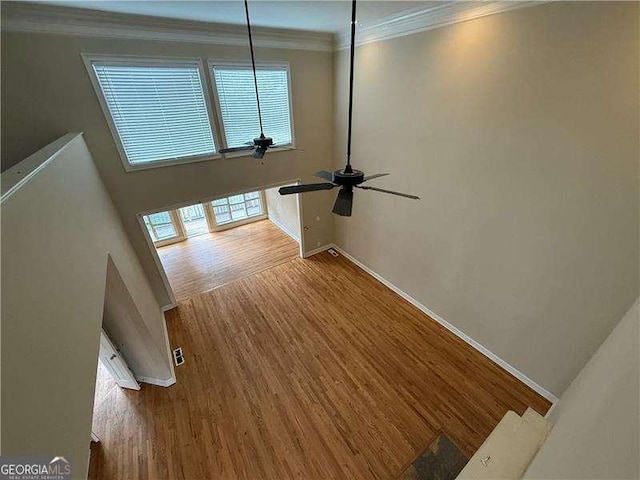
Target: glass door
<point>194,220</point>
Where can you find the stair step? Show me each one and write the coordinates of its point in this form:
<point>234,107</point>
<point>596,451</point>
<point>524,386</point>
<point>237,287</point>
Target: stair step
<point>509,449</point>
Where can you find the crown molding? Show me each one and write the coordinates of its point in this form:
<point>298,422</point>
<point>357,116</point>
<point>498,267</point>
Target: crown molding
<point>421,19</point>
<point>40,18</point>
<point>32,17</point>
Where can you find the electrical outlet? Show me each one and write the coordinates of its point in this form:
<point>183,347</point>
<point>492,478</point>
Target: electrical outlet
<point>318,218</point>
<point>178,358</point>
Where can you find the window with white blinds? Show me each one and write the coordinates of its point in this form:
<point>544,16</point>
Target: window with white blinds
<point>239,109</point>
<point>159,111</point>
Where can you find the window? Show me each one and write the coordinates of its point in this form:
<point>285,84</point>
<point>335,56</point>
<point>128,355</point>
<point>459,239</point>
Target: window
<point>237,207</point>
<point>157,110</point>
<point>161,226</point>
<point>201,218</point>
<point>238,107</point>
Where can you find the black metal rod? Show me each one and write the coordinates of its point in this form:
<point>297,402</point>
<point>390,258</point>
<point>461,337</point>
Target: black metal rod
<point>253,64</point>
<point>353,47</point>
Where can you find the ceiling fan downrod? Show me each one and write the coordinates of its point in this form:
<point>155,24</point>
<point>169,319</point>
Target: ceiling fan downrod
<point>347,178</point>
<point>253,66</point>
<point>260,144</point>
<point>347,168</point>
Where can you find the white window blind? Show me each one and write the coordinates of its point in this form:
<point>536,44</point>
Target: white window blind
<point>159,112</point>
<point>239,109</point>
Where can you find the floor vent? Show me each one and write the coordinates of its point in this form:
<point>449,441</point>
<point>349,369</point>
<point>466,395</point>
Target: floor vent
<point>333,252</point>
<point>178,358</point>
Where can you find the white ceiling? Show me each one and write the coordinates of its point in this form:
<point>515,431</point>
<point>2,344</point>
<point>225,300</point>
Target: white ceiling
<point>321,16</point>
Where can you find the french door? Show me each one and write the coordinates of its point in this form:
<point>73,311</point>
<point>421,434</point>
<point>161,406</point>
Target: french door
<point>194,220</point>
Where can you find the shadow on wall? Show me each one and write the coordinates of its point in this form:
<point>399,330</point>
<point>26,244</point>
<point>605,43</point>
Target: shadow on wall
<point>283,211</point>
<point>128,330</point>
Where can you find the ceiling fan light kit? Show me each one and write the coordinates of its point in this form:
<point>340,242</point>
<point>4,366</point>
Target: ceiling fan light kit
<point>347,178</point>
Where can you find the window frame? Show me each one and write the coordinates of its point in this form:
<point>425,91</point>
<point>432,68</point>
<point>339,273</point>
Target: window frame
<point>218,227</point>
<point>211,63</point>
<point>176,221</point>
<point>142,61</point>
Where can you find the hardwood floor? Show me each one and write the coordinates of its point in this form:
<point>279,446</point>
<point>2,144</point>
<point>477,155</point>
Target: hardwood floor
<point>104,385</point>
<point>311,369</point>
<point>207,261</point>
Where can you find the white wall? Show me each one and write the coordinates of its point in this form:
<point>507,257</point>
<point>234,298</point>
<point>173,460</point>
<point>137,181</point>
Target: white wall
<point>46,92</point>
<point>58,231</point>
<point>519,132</point>
<point>597,433</point>
<point>124,324</point>
<point>283,211</point>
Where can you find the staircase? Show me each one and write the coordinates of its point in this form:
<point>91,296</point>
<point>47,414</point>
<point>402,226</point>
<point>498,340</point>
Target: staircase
<point>509,449</point>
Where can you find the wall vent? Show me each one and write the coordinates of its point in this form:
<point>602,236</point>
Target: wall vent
<point>178,358</point>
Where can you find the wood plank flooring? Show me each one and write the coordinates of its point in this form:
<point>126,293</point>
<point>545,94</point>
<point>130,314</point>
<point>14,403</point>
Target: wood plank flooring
<point>104,385</point>
<point>207,261</point>
<point>311,369</point>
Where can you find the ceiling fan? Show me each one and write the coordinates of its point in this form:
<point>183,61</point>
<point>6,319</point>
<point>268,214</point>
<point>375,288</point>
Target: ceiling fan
<point>262,143</point>
<point>347,178</point>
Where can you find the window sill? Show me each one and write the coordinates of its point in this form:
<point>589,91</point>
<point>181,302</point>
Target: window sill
<point>132,167</point>
<point>168,241</point>
<point>238,223</point>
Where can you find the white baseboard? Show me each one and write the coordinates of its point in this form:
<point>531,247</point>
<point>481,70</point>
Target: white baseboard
<point>555,404</point>
<point>166,308</point>
<point>284,229</point>
<point>156,381</point>
<point>318,250</point>
<point>459,333</point>
<point>167,345</point>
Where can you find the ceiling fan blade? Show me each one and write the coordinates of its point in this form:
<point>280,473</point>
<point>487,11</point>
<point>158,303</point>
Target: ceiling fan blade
<point>370,177</point>
<point>309,187</point>
<point>236,149</point>
<point>344,203</point>
<point>324,174</point>
<point>406,195</point>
